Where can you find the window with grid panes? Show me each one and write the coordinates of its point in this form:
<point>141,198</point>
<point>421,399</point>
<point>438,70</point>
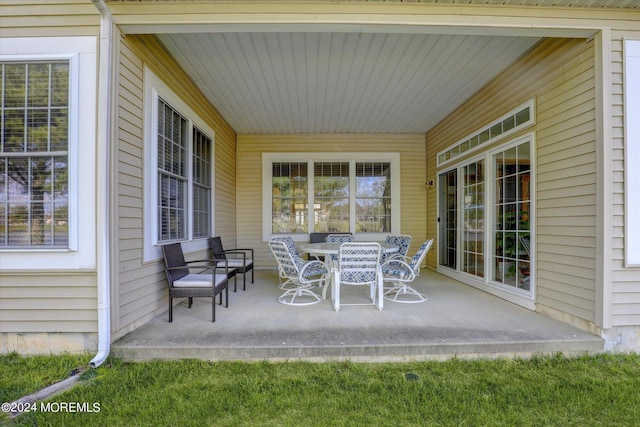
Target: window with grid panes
<point>34,165</point>
<point>331,197</point>
<point>373,197</point>
<point>331,193</point>
<point>201,184</point>
<point>289,190</point>
<point>172,173</point>
<point>177,154</point>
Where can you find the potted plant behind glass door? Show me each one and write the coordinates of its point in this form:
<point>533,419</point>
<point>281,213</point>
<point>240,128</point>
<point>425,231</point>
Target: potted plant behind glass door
<point>512,225</point>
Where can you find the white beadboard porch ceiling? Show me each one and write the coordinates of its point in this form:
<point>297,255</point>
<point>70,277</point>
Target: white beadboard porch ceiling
<point>325,82</point>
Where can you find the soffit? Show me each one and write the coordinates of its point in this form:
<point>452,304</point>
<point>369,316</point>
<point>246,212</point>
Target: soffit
<point>340,82</point>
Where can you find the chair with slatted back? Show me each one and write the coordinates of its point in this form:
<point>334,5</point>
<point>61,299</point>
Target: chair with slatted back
<point>299,276</point>
<point>195,278</point>
<point>358,264</point>
<point>400,273</point>
<point>525,268</point>
<point>402,241</point>
<point>286,283</point>
<point>339,238</point>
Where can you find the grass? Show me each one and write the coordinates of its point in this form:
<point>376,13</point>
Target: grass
<point>602,390</point>
<point>21,376</point>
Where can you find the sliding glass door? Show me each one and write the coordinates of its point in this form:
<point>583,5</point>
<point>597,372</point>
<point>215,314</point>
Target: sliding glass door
<point>485,211</point>
<point>448,219</point>
<point>461,218</point>
<point>473,219</point>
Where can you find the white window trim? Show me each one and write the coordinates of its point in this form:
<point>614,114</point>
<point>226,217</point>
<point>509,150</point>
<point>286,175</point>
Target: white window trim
<point>81,52</point>
<point>632,152</point>
<point>155,88</point>
<point>269,158</point>
<point>517,296</point>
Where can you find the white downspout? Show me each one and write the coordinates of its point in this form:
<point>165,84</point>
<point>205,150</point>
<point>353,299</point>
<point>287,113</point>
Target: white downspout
<point>103,187</point>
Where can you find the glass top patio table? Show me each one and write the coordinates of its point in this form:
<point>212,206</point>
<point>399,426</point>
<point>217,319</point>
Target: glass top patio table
<point>334,248</point>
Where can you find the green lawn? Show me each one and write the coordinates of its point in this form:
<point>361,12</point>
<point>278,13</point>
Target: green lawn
<point>602,390</point>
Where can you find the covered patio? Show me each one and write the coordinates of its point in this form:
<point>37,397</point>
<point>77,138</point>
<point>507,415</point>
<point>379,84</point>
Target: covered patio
<point>456,321</point>
<point>448,102</point>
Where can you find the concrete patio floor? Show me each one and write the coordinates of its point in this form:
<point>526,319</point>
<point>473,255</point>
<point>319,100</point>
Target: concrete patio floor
<point>456,321</point>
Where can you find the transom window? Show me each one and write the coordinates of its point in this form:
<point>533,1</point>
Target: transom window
<point>358,195</point>
<point>515,120</point>
<point>34,158</point>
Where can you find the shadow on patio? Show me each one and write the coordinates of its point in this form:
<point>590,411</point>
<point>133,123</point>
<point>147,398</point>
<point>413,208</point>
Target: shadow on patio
<point>457,320</point>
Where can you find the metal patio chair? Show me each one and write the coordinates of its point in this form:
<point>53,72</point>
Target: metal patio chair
<point>207,281</point>
<point>400,273</point>
<point>525,242</point>
<point>358,264</point>
<point>291,246</point>
<point>240,259</point>
<point>299,276</point>
<point>339,238</point>
<point>402,241</point>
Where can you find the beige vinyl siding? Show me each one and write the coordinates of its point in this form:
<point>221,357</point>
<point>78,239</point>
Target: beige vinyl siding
<point>135,282</point>
<point>566,188</point>
<point>24,18</point>
<point>412,151</point>
<point>50,302</point>
<point>559,74</point>
<point>141,286</point>
<point>625,308</point>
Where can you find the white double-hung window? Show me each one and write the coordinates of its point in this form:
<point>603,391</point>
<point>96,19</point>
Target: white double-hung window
<point>354,193</point>
<point>47,152</point>
<point>179,169</point>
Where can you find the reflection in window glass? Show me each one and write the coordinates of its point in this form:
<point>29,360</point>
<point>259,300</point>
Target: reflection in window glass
<point>473,215</point>
<point>331,197</point>
<point>512,212</point>
<point>346,196</point>
<point>289,197</point>
<point>448,218</point>
<point>34,198</point>
<point>373,197</point>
